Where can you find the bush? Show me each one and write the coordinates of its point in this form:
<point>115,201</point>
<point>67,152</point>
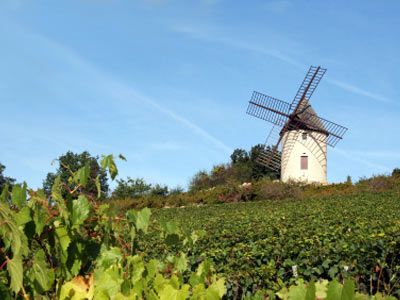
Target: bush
<point>396,172</point>
<point>275,190</point>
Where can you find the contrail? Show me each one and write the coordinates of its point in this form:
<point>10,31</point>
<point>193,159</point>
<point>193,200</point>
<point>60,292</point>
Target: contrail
<point>116,87</point>
<point>274,53</point>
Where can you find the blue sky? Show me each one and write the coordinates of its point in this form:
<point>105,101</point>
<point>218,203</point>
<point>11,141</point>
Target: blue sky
<point>166,83</point>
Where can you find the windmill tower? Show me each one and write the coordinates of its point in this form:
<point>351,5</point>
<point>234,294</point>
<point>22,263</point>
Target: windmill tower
<point>297,143</point>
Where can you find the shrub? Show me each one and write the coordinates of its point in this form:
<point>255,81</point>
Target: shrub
<point>396,172</point>
<point>275,190</point>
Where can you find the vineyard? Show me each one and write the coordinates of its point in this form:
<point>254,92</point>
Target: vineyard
<point>268,244</point>
<point>75,246</point>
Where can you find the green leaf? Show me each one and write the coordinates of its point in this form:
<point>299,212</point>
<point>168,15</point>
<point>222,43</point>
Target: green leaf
<point>5,193</point>
<point>348,291</point>
<point>141,218</point>
<point>18,197</point>
<point>63,239</point>
<point>80,210</point>
<point>98,186</point>
<point>43,276</point>
<point>77,289</point>
<point>137,269</point>
<point>297,292</point>
<point>39,218</point>
<point>170,293</point>
<point>56,193</point>
<point>310,295</point>
<point>82,175</point>
<point>107,282</point>
<point>320,289</point>
<point>108,257</point>
<point>181,263</point>
<point>219,287</point>
<point>121,157</point>
<point>108,162</point>
<point>334,290</point>
<point>15,270</point>
<point>12,236</point>
<point>23,216</point>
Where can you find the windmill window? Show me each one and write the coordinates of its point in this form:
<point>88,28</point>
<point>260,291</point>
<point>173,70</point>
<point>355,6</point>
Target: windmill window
<point>304,162</point>
<point>304,135</point>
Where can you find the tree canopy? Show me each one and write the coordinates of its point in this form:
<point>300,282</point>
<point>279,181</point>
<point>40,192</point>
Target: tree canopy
<point>72,162</point>
<point>243,167</point>
<point>4,180</point>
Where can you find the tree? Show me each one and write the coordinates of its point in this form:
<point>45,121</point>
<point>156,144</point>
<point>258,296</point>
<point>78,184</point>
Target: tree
<point>72,162</point>
<point>396,172</point>
<point>220,174</point>
<point>201,180</point>
<point>176,190</point>
<point>4,180</point>
<point>131,188</point>
<point>259,171</point>
<point>159,190</point>
<point>239,156</point>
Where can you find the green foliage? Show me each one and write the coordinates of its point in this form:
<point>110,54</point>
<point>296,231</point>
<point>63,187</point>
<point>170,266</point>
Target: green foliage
<point>80,172</point>
<point>18,197</point>
<point>68,248</point>
<point>242,168</point>
<point>396,172</point>
<point>71,247</point>
<point>4,180</point>
<point>131,188</point>
<point>256,245</point>
<point>159,190</point>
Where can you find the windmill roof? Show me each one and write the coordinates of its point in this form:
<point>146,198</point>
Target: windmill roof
<point>306,119</point>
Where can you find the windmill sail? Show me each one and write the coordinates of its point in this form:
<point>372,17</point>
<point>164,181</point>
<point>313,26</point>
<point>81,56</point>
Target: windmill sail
<point>308,86</point>
<point>268,108</point>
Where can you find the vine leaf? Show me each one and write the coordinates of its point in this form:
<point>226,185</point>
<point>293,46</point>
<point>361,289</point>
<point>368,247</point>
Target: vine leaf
<point>80,210</point>
<point>140,218</point>
<point>63,239</point>
<point>18,196</point>
<point>43,277</point>
<point>14,268</point>
<point>108,162</point>
<point>39,217</point>
<point>78,288</point>
<point>98,186</point>
<point>219,287</point>
<point>334,290</point>
<point>82,175</point>
<point>348,289</point>
<point>170,293</point>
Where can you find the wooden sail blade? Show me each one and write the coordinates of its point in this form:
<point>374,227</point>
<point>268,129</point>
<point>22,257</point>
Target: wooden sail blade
<point>325,131</point>
<point>270,156</point>
<point>268,108</point>
<point>307,87</point>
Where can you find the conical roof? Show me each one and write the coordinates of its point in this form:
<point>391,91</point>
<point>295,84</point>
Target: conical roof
<point>305,118</point>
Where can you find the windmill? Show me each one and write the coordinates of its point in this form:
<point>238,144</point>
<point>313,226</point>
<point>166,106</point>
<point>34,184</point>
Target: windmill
<point>297,143</point>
